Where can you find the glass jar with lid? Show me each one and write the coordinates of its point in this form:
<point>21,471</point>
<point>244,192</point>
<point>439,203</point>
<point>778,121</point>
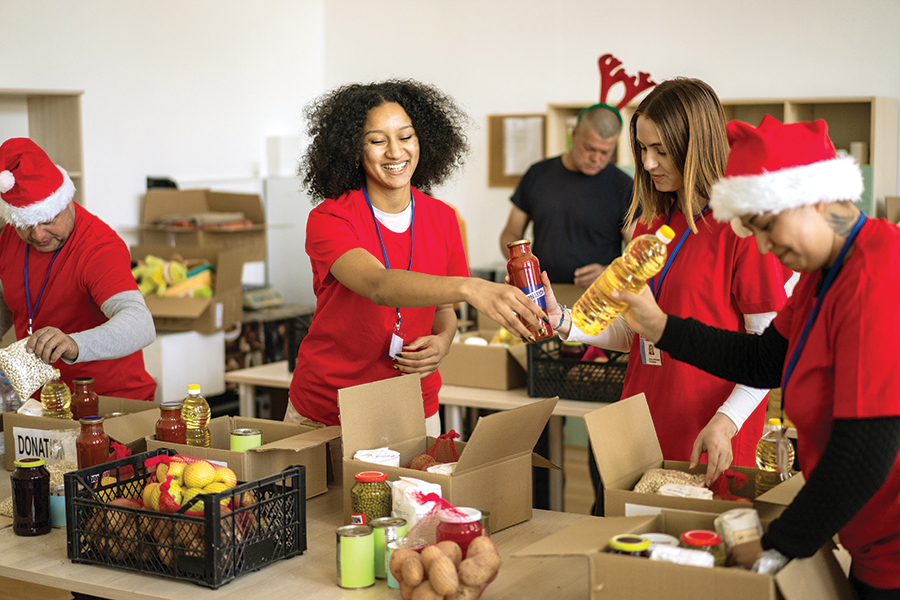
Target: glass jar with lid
<point>85,402</point>
<point>460,525</point>
<point>31,497</point>
<point>706,540</point>
<point>370,498</point>
<point>92,444</point>
<point>630,545</point>
<point>170,427</point>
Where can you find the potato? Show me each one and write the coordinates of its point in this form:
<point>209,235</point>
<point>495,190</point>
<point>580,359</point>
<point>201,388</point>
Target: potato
<point>413,571</point>
<point>406,591</point>
<point>442,575</point>
<point>478,569</point>
<point>426,592</point>
<point>397,559</point>
<point>481,545</point>
<point>464,592</point>
<point>451,550</point>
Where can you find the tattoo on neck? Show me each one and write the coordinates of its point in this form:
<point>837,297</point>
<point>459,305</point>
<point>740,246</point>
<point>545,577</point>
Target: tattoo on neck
<point>841,224</point>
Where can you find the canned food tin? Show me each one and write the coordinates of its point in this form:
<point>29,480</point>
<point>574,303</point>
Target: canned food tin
<point>355,554</point>
<point>387,529</point>
<point>245,439</point>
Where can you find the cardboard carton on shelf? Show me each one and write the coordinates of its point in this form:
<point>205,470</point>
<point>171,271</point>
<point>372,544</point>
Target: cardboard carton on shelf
<point>625,447</point>
<point>25,435</point>
<point>284,444</point>
<point>819,577</point>
<point>164,202</point>
<point>204,315</point>
<point>494,468</point>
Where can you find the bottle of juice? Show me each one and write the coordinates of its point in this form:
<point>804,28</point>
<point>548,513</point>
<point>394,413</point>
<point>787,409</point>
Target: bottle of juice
<point>643,258</point>
<point>195,412</point>
<point>57,399</point>
<point>525,273</point>
<point>769,474</point>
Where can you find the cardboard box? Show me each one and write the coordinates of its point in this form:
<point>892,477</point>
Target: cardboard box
<point>284,444</point>
<point>22,434</point>
<point>611,576</point>
<point>494,468</point>
<point>495,367</point>
<point>205,315</point>
<point>625,446</point>
<point>892,208</point>
<point>251,241</point>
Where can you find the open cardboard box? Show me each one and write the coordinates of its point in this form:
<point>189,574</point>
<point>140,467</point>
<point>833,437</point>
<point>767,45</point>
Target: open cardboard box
<point>612,576</point>
<point>283,445</point>
<point>892,208</point>
<point>251,241</point>
<point>494,468</point>
<point>205,315</point>
<point>24,435</point>
<point>625,446</point>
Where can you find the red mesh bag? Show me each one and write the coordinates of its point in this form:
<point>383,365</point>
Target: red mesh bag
<point>173,483</point>
<point>442,451</point>
<point>720,487</point>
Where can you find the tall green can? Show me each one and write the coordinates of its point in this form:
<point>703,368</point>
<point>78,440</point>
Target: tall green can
<point>355,553</point>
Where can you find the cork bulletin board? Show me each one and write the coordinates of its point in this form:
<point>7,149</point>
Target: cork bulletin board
<point>514,143</point>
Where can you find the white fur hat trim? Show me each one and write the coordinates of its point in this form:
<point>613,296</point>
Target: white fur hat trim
<point>39,212</point>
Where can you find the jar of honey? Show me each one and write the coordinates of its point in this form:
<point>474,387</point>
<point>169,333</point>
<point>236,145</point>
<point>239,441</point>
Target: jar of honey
<point>460,525</point>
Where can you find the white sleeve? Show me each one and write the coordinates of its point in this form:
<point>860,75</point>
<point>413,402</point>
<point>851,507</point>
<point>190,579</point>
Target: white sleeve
<point>616,337</point>
<point>743,400</point>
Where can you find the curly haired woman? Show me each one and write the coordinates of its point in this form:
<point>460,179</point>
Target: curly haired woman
<point>388,261</point>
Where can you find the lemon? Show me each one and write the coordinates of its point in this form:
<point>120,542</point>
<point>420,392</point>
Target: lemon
<point>198,474</point>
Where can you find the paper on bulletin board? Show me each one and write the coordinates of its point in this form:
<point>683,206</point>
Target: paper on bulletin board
<point>523,144</point>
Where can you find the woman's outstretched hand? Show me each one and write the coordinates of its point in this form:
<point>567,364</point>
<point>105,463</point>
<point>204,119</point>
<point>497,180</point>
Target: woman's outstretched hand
<point>505,304</point>
<point>643,314</point>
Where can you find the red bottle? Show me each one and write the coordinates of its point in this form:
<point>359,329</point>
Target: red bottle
<point>85,402</point>
<point>92,444</point>
<point>525,273</point>
<point>171,427</point>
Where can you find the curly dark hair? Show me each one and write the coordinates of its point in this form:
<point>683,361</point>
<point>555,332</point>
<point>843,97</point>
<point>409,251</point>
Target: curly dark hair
<point>330,166</point>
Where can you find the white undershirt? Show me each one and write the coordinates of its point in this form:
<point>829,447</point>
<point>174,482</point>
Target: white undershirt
<point>396,222</point>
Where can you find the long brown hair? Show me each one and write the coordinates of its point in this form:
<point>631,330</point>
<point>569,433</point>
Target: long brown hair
<point>691,125</point>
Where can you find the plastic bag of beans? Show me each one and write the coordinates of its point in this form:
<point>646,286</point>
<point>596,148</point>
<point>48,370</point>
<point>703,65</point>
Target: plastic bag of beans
<point>25,371</point>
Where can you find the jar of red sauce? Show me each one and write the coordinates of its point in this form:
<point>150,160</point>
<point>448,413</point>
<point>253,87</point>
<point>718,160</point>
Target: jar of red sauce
<point>460,525</point>
<point>171,427</point>
<point>31,497</point>
<point>85,402</point>
<point>92,444</point>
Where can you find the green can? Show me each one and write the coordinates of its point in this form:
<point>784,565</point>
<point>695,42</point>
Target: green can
<point>245,439</point>
<point>355,553</point>
<point>387,529</point>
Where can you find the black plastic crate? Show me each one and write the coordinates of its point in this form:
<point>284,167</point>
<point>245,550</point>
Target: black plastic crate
<point>209,550</point>
<point>549,375</point>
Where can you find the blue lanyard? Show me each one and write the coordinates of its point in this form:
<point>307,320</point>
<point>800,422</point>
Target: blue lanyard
<point>829,279</point>
<point>33,310</point>
<point>655,288</point>
<point>412,222</point>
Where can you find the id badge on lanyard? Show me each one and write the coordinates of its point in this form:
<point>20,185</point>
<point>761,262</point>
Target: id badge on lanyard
<point>396,345</point>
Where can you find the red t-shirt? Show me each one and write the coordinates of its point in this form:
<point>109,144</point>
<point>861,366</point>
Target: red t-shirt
<point>716,277</point>
<point>349,338</point>
<point>92,266</point>
<point>848,370</point>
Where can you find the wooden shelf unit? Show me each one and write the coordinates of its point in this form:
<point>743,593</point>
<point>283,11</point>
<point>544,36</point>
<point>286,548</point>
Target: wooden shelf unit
<point>856,119</point>
<point>54,123</point>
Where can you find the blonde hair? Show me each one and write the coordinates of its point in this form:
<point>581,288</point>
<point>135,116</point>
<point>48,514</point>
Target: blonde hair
<point>691,125</point>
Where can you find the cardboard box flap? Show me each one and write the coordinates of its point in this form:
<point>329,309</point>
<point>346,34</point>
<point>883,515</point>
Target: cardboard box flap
<point>623,452</point>
<point>520,353</point>
<point>179,308</point>
<point>539,461</point>
<point>128,428</point>
<point>504,434</point>
<point>302,441</point>
<point>249,204</point>
<point>164,202</point>
<point>271,430</point>
<point>585,537</point>
<point>381,413</point>
<point>818,577</point>
<point>783,493</point>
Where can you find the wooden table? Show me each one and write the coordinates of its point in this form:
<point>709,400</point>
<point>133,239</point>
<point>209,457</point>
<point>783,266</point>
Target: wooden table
<point>276,375</point>
<point>312,576</point>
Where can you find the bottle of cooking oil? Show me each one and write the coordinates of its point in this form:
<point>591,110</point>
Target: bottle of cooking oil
<point>643,258</point>
<point>57,399</point>
<point>195,412</point>
<point>768,473</point>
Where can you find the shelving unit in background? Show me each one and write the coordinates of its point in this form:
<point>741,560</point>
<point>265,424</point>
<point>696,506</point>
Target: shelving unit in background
<point>872,120</point>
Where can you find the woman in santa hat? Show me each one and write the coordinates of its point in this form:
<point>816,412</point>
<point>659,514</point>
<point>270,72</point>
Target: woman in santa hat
<point>828,348</point>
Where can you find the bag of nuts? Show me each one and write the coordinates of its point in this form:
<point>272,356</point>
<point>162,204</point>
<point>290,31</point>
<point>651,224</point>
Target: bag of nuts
<point>25,371</point>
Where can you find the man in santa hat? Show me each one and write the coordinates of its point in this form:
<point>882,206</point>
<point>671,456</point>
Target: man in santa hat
<point>830,349</point>
<point>66,279</point>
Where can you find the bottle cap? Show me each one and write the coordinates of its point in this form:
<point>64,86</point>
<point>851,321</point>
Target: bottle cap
<point>700,537</point>
<point>370,476</point>
<point>776,422</point>
<point>27,463</point>
<point>629,543</point>
<point>517,242</point>
<point>91,420</point>
<point>460,514</point>
<point>194,388</point>
<point>665,234</point>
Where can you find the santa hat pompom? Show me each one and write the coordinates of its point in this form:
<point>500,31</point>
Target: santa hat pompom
<point>7,181</point>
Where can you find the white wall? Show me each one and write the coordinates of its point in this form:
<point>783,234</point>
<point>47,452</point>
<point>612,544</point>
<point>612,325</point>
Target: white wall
<point>192,88</point>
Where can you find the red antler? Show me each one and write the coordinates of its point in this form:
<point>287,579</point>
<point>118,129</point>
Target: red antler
<point>633,85</point>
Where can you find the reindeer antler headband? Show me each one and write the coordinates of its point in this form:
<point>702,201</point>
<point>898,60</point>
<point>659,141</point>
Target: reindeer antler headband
<point>609,77</point>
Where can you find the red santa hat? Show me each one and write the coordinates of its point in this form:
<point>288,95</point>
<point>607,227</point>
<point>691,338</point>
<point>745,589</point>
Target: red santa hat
<point>778,166</point>
<point>32,189</point>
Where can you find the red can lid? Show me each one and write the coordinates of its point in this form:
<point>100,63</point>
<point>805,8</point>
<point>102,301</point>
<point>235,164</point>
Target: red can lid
<point>370,476</point>
<point>700,537</point>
